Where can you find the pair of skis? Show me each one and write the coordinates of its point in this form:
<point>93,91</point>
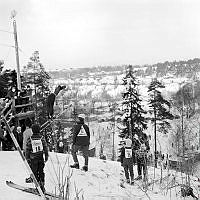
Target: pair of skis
<point>48,195</point>
<point>24,159</point>
<point>38,190</point>
<point>50,121</point>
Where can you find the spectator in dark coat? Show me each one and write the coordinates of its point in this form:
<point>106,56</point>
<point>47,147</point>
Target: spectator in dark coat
<point>80,142</point>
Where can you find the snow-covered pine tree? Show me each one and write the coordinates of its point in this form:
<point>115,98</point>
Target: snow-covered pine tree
<point>133,121</point>
<point>159,110</point>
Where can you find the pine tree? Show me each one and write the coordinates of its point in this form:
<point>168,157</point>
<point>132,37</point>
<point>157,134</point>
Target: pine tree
<point>36,76</point>
<point>134,121</point>
<point>8,80</point>
<point>159,108</point>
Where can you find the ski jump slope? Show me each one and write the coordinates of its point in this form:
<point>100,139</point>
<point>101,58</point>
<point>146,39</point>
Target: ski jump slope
<point>101,182</point>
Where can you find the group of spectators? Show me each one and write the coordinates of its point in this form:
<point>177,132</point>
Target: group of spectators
<point>134,151</point>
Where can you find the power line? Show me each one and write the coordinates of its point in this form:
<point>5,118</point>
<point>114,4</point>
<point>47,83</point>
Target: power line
<point>6,45</point>
<point>6,31</point>
<point>6,57</point>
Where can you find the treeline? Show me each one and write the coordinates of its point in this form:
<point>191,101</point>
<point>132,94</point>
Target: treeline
<point>175,68</point>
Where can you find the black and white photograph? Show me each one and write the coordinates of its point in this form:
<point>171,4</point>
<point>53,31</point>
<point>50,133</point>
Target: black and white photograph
<point>99,99</point>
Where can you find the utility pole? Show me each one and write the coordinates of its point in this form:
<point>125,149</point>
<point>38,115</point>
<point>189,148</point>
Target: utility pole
<point>155,139</point>
<point>13,14</point>
<point>155,136</point>
<point>113,153</point>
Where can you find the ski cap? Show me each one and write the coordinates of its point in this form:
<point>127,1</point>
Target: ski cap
<point>81,116</point>
<point>128,142</point>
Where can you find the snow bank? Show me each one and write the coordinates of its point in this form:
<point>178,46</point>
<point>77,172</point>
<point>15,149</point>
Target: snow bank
<point>101,182</point>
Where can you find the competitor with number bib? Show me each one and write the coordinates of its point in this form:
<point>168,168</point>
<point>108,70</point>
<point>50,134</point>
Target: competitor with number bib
<point>127,161</point>
<point>35,148</point>
<point>81,141</point>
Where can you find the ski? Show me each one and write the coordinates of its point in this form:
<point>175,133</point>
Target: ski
<point>51,121</point>
<point>23,158</point>
<point>31,190</point>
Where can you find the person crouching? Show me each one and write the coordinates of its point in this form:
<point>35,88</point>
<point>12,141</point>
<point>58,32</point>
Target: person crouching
<point>35,148</point>
<point>127,161</point>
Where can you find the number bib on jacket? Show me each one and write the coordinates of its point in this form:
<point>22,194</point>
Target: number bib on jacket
<point>37,145</point>
<point>82,132</point>
<point>128,153</point>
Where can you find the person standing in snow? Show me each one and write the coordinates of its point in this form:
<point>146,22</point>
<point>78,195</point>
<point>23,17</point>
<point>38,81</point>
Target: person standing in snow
<point>26,135</point>
<point>126,158</point>
<point>51,99</point>
<point>80,142</point>
<point>35,148</point>
<point>141,156</point>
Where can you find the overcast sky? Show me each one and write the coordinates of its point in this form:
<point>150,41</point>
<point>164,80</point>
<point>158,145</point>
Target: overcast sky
<point>86,33</point>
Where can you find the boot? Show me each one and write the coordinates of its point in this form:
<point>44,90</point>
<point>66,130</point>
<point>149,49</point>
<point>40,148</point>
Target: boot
<point>85,168</point>
<point>75,165</point>
<point>29,180</point>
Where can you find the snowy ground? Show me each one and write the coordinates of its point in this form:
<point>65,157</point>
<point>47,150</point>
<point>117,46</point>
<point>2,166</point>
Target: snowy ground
<point>101,182</point>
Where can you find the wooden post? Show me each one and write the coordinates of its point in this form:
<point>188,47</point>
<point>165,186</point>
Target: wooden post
<point>24,159</point>
<point>16,51</point>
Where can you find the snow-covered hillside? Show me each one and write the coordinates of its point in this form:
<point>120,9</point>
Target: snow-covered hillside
<point>101,182</point>
<point>112,86</point>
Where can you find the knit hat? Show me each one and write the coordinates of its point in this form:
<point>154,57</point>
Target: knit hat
<point>35,128</point>
<point>82,116</point>
<point>128,142</point>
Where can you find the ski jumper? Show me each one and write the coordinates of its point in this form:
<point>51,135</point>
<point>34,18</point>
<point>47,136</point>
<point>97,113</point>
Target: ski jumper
<point>51,99</point>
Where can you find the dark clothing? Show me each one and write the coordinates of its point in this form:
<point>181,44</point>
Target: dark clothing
<point>81,135</point>
<point>8,145</point>
<point>51,99</point>
<point>142,166</point>
<point>83,149</point>
<point>127,162</point>
<point>128,168</point>
<point>36,152</point>
<point>141,156</point>
<point>35,148</point>
<point>50,103</point>
<point>2,138</point>
<point>37,167</point>
<point>81,141</point>
<point>123,153</point>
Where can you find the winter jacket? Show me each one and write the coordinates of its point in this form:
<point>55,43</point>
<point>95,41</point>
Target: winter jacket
<point>35,148</point>
<point>126,154</point>
<point>26,134</point>
<point>81,135</point>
